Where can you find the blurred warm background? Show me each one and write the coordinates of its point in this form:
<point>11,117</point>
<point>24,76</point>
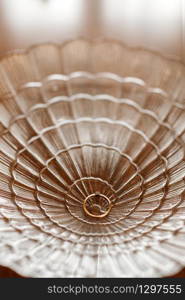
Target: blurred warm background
<point>156,24</point>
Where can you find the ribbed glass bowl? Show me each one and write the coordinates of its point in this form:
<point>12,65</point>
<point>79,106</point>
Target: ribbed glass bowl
<point>92,141</point>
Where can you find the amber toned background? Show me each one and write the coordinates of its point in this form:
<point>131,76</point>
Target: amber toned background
<point>156,24</point>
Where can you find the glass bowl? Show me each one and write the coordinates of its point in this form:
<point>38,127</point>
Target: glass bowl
<point>92,137</point>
